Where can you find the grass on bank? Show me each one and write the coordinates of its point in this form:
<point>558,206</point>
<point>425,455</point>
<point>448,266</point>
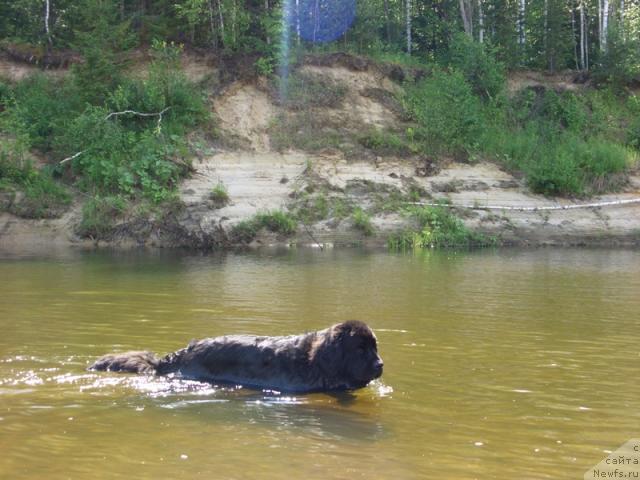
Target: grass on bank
<point>127,137</point>
<point>437,227</point>
<point>28,192</point>
<point>276,221</point>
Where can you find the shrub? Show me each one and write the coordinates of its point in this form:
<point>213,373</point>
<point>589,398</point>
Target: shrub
<point>386,143</point>
<point>276,221</point>
<point>5,94</point>
<point>448,114</point>
<point>99,216</point>
<point>127,153</point>
<point>311,209</point>
<point>219,195</point>
<point>478,63</point>
<point>437,227</point>
<point>362,222</point>
<point>42,107</point>
<point>41,196</point>
<point>620,65</point>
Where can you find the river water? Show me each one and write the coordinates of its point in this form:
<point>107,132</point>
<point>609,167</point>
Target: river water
<point>498,364</point>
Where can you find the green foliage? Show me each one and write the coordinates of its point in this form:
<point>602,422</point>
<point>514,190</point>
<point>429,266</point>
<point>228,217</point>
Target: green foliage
<point>101,41</point>
<point>219,195</point>
<point>580,167</point>
<point>620,65</point>
<point>564,143</point>
<point>35,194</point>
<point>437,227</point>
<point>565,110</point>
<point>362,222</point>
<point>118,160</point>
<point>118,150</point>
<point>5,94</point>
<point>449,116</point>
<point>312,208</point>
<point>99,216</point>
<point>383,142</point>
<point>41,107</point>
<point>478,64</point>
<point>244,232</point>
<point>276,221</point>
<point>265,66</point>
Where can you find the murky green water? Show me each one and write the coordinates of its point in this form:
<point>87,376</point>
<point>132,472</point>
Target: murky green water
<point>512,364</point>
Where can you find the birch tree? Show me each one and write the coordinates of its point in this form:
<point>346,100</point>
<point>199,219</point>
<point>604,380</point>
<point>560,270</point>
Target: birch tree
<point>520,23</point>
<point>47,9</point>
<point>480,22</point>
<point>466,12</point>
<point>408,25</point>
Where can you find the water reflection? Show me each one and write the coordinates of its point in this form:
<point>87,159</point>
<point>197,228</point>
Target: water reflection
<point>515,361</point>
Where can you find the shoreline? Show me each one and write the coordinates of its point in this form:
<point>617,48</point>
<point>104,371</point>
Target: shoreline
<point>254,183</point>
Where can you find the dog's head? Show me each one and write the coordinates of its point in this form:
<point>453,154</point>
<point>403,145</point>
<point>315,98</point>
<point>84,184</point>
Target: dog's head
<point>348,351</point>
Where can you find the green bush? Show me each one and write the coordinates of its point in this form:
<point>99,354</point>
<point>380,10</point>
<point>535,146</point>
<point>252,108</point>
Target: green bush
<point>127,153</point>
<point>478,63</point>
<point>5,94</point>
<point>565,164</point>
<point>244,232</point>
<point>619,67</point>
<point>38,194</point>
<point>276,221</point>
<point>386,143</point>
<point>219,195</point>
<point>362,222</point>
<point>437,227</point>
<point>448,114</point>
<point>41,108</point>
<point>99,215</point>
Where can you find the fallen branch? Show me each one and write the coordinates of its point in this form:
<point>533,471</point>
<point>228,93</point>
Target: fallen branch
<point>115,114</point>
<point>139,114</point>
<point>68,159</point>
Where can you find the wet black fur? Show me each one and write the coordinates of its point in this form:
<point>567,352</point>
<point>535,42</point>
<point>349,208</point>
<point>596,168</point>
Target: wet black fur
<point>341,357</point>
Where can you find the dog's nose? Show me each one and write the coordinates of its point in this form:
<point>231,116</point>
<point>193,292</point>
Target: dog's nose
<point>379,364</point>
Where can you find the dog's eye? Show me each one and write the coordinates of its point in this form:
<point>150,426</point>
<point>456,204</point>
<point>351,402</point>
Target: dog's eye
<point>361,349</point>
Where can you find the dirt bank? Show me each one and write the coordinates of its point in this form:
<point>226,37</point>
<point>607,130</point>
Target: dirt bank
<point>324,185</point>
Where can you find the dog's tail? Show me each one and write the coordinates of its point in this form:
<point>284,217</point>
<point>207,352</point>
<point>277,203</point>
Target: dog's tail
<point>133,362</point>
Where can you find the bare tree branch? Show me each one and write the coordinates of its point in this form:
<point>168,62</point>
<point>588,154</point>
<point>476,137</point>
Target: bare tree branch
<point>139,114</point>
<point>68,159</point>
<point>115,114</point>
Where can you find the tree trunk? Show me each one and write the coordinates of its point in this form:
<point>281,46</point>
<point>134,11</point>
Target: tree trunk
<point>212,29</point>
<point>605,25</point>
<point>521,14</point>
<point>221,22</point>
<point>386,18</point>
<point>480,22</point>
<point>47,8</point>
<point>408,4</point>
<point>298,22</point>
<point>573,36</point>
<point>465,12</point>
<point>266,13</point>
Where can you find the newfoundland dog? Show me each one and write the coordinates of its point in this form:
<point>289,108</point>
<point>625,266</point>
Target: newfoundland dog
<point>341,357</point>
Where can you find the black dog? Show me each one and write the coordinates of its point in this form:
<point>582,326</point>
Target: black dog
<point>341,357</point>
